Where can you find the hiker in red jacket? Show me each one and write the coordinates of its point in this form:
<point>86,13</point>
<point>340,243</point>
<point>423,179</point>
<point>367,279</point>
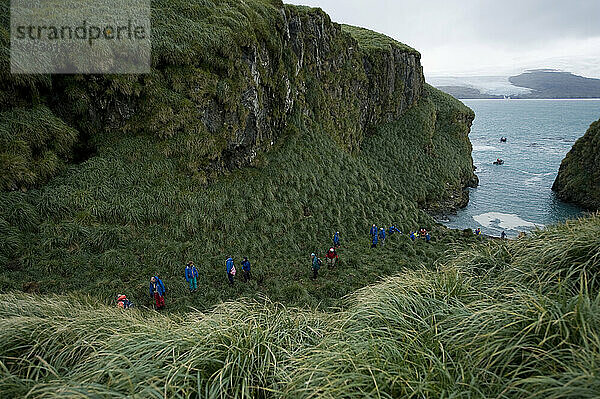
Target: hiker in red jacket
<point>158,291</point>
<point>331,257</point>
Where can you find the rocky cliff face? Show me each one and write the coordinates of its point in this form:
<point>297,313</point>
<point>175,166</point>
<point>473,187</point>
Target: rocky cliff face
<point>323,71</point>
<point>217,102</point>
<point>578,179</point>
<point>236,104</point>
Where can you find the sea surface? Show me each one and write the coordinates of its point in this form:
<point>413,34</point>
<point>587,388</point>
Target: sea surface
<point>517,196</point>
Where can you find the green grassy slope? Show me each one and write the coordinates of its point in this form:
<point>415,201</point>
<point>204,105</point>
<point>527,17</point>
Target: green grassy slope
<point>156,191</point>
<point>108,224</point>
<point>578,179</point>
<point>504,319</point>
<point>198,50</point>
<point>370,40</point>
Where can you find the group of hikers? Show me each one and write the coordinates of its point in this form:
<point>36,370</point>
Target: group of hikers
<point>158,289</point>
<point>378,236</point>
<point>231,271</point>
<point>331,257</point>
<point>477,232</point>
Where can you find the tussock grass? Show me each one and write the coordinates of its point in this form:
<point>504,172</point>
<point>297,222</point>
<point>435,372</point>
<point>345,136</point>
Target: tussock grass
<point>375,41</point>
<point>453,331</point>
<point>112,179</point>
<point>34,146</point>
<point>106,225</point>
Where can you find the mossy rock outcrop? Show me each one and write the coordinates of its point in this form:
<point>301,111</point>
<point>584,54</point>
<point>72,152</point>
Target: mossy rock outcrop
<point>578,179</point>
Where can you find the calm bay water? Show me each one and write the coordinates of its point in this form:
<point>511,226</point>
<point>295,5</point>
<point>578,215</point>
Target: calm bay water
<point>517,196</point>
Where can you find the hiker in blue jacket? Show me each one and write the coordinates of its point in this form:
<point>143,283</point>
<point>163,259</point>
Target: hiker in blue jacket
<point>230,269</point>
<point>157,291</point>
<point>315,264</point>
<point>336,239</point>
<point>412,236</point>
<point>373,230</point>
<point>382,235</point>
<point>428,237</point>
<point>374,241</point>
<point>246,269</point>
<point>191,276</point>
<point>393,229</point>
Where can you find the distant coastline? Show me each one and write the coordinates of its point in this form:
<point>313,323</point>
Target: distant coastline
<point>537,84</point>
<point>533,99</point>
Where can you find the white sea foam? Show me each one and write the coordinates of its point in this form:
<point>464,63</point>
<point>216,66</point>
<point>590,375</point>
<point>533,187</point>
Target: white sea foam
<point>504,221</point>
<point>533,181</point>
<point>484,148</point>
<point>537,174</point>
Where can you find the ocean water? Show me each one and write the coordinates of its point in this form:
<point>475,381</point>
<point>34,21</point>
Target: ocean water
<point>517,196</point>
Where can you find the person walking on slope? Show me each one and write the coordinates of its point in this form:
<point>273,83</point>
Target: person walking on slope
<point>191,276</point>
<point>246,269</point>
<point>393,229</point>
<point>230,267</point>
<point>412,236</point>
<point>123,302</point>
<point>315,264</point>
<point>382,236</point>
<point>331,257</point>
<point>336,239</point>
<point>374,241</point>
<point>157,291</point>
<point>373,230</point>
<point>427,237</point>
<point>503,235</point>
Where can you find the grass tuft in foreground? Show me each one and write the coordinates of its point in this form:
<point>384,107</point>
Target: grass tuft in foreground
<point>502,319</point>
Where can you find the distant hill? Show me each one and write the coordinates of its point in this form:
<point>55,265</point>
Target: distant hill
<point>542,83</point>
<point>554,84</point>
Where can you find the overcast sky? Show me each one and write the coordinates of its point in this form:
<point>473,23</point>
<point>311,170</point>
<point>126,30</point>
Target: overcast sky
<point>483,37</point>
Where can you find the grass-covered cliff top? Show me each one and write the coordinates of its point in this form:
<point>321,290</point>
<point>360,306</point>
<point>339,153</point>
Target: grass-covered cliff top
<point>502,319</point>
<point>201,52</point>
<point>578,179</point>
<point>370,40</point>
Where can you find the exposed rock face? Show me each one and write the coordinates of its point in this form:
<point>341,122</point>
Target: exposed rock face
<point>314,66</point>
<point>578,179</point>
<point>322,70</point>
<point>217,107</point>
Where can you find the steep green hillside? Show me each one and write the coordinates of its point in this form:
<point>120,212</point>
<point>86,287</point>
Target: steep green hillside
<point>260,133</point>
<point>227,78</point>
<point>84,231</point>
<point>578,179</point>
<point>505,319</point>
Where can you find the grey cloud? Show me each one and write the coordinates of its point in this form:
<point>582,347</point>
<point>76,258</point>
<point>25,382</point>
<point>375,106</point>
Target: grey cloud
<point>516,22</point>
<point>445,30</point>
